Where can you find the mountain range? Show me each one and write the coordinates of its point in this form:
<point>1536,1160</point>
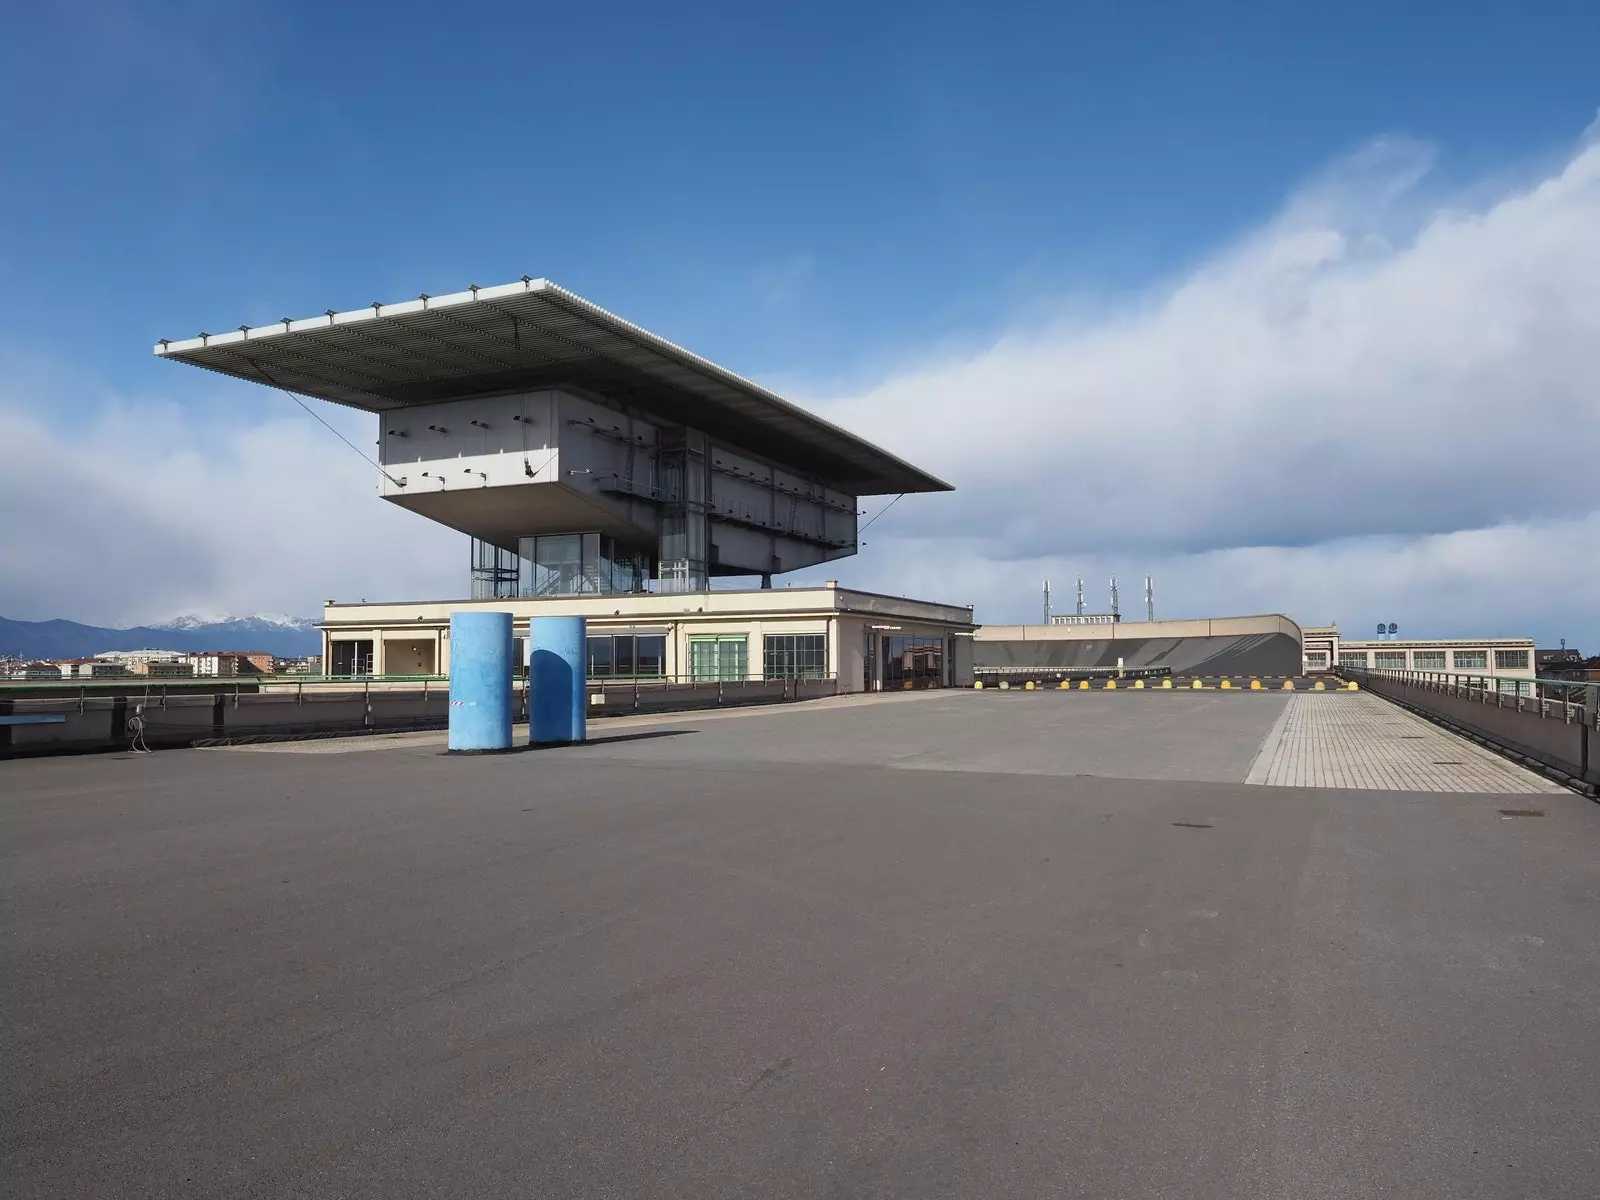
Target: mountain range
<point>290,637</point>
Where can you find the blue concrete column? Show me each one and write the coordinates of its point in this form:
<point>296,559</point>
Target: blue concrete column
<point>557,697</point>
<point>480,682</point>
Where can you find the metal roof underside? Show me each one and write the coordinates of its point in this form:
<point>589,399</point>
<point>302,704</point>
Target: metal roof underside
<point>535,334</point>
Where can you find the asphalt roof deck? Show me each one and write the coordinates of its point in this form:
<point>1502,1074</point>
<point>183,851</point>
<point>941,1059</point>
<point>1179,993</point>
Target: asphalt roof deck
<point>693,960</point>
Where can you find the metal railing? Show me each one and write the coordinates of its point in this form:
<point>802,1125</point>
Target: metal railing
<point>1566,700</point>
<point>103,714</point>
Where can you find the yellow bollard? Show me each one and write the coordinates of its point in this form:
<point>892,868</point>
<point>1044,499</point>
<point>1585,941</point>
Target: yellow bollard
<point>1064,685</point>
<point>1288,685</point>
<point>1226,683</point>
<point>1111,685</point>
<point>1255,685</point>
<point>1167,683</point>
<point>1197,685</point>
<point>1028,687</point>
<point>1318,686</point>
<point>1005,685</point>
<point>977,685</point>
<point>1354,686</point>
<point>1083,685</point>
<point>1138,683</point>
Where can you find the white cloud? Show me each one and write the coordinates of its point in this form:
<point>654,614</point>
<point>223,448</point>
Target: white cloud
<point>135,516</point>
<point>1381,405</point>
<point>1352,384</point>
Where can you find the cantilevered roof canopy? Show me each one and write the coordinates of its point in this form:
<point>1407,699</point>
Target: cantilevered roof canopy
<point>535,334</point>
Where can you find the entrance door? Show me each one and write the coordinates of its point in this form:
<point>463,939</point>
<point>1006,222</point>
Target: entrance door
<point>352,657</point>
<point>869,662</point>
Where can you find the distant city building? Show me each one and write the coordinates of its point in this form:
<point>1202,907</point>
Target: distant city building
<point>163,668</point>
<point>91,668</point>
<point>133,658</point>
<point>225,664</point>
<point>1567,664</point>
<point>310,665</point>
<point>1507,662</point>
<point>42,672</point>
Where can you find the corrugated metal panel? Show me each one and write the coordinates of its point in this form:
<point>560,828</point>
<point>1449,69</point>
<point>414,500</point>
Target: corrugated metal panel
<point>536,334</point>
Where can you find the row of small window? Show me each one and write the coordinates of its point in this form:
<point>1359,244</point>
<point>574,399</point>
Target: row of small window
<point>712,657</point>
<point>1433,660</point>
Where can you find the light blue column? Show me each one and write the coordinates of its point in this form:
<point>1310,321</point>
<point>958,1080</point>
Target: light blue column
<point>557,696</point>
<point>480,682</point>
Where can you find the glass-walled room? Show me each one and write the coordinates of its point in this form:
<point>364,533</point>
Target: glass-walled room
<point>559,564</point>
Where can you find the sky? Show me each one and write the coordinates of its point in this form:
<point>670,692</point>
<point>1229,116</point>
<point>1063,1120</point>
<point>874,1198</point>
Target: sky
<point>1293,310</point>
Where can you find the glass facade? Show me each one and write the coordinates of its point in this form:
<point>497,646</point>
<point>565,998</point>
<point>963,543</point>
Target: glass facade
<point>578,564</point>
<point>913,662</point>
<point>1352,658</point>
<point>719,656</point>
<point>494,571</point>
<point>1390,660</point>
<point>1511,660</point>
<point>627,655</point>
<point>1427,660</point>
<point>1470,660</point>
<point>795,655</point>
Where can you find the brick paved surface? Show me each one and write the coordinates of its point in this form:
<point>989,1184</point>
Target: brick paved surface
<point>1361,741</point>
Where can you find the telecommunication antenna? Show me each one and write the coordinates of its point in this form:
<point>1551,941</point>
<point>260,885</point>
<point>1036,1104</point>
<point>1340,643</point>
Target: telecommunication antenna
<point>1115,610</point>
<point>1047,602</point>
<point>1080,595</point>
<point>1149,598</point>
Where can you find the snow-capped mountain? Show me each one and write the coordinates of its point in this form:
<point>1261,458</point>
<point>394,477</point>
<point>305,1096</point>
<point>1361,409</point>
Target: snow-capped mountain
<point>270,632</point>
<point>266,622</point>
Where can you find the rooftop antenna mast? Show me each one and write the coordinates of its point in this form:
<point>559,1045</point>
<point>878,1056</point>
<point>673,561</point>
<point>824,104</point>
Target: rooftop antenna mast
<point>1149,598</point>
<point>1047,602</point>
<point>1080,595</point>
<point>1115,610</point>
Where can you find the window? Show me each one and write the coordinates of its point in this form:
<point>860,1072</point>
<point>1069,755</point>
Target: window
<point>1470,660</point>
<point>1316,658</point>
<point>1428,660</point>
<point>796,655</point>
<point>1352,658</point>
<point>913,662</point>
<point>1510,660</point>
<point>1390,660</point>
<point>627,655</point>
<point>1515,687</point>
<point>716,657</point>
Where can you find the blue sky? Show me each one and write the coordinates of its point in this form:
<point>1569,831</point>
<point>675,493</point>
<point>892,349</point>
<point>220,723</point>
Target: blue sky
<point>829,199</point>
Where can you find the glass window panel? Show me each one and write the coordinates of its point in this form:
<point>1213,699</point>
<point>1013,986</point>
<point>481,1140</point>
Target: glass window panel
<point>1428,660</point>
<point>1352,658</point>
<point>1394,660</point>
<point>796,655</point>
<point>718,657</point>
<point>1470,660</point>
<point>650,655</point>
<point>622,654</point>
<point>599,656</point>
<point>1511,660</point>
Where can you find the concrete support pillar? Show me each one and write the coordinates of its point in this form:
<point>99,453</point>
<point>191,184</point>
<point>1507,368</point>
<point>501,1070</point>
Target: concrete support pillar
<point>480,682</point>
<point>557,693</point>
